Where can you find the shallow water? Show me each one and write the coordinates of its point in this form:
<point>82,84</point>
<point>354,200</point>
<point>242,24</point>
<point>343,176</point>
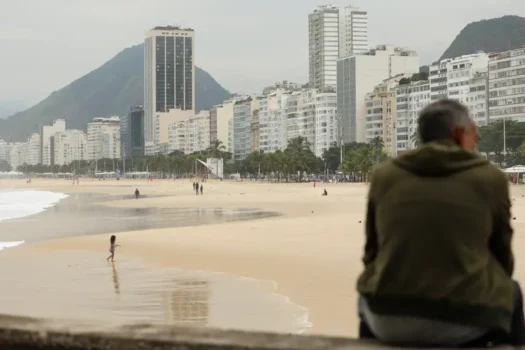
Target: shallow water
<point>82,286</point>
<point>80,215</point>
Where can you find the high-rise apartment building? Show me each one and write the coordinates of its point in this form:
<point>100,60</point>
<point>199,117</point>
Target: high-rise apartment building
<point>326,123</point>
<point>242,120</point>
<point>272,121</point>
<point>132,134</point>
<point>68,146</point>
<point>334,33</point>
<point>507,85</point>
<point>478,96</point>
<point>169,73</point>
<point>353,31</point>
<point>103,138</point>
<point>357,75</point>
<point>33,149</point>
<point>410,99</point>
<point>323,46</point>
<point>46,132</point>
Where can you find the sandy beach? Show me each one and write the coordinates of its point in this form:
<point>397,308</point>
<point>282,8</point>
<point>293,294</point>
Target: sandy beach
<point>310,252</point>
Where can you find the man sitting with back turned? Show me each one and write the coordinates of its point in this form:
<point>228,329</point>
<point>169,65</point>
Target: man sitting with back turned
<point>438,259</point>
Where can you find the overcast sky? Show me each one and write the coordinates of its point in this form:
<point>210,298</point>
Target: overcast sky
<point>244,44</point>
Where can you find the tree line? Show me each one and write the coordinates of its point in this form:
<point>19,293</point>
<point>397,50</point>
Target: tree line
<point>296,163</point>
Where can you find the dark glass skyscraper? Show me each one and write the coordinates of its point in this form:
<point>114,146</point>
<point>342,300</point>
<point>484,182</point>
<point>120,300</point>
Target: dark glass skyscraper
<point>169,73</point>
<point>132,134</point>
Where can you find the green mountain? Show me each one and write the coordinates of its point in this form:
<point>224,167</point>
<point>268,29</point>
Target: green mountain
<point>490,35</point>
<point>109,90</point>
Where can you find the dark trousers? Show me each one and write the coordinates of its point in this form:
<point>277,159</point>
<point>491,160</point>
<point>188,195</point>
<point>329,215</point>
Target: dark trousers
<point>516,337</point>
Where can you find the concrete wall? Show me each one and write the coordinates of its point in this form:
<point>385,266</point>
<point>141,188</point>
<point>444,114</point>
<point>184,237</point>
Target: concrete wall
<point>28,334</point>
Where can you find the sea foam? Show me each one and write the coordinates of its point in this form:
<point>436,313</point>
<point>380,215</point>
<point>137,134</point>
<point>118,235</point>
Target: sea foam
<point>16,204</point>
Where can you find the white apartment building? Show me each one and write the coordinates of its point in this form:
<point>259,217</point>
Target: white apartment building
<point>4,150</point>
<point>353,31</point>
<point>410,100</point>
<point>220,121</point>
<point>450,78</point>
<point>242,127</point>
<point>169,74</point>
<point>69,146</point>
<point>300,115</point>
<point>191,135</point>
<point>326,124</point>
<point>103,138</point>
<point>33,149</point>
<point>323,46</point>
<point>272,121</point>
<point>478,96</point>
<point>334,33</point>
<point>17,155</point>
<point>162,122</point>
<point>282,85</point>
<point>507,85</point>
<point>46,132</point>
<point>358,75</point>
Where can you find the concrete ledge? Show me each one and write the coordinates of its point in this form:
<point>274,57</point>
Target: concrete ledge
<point>17,333</point>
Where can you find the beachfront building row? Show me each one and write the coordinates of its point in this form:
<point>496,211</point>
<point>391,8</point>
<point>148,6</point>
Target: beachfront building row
<point>393,106</point>
<point>68,146</point>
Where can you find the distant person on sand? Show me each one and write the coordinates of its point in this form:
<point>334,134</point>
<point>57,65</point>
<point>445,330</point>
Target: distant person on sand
<point>325,193</point>
<point>112,247</point>
<point>197,188</point>
<point>137,193</point>
<point>438,261</point>
<point>202,189</point>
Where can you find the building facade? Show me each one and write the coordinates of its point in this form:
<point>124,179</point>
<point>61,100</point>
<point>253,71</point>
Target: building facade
<point>68,146</point>
<point>410,100</point>
<point>17,155</point>
<point>242,136</point>
<point>103,138</point>
<point>162,122</point>
<point>132,134</point>
<point>272,121</point>
<point>33,149</point>
<point>353,31</point>
<point>358,75</point>
<point>46,132</point>
<point>191,135</point>
<point>169,73</point>
<point>478,96</point>
<point>326,124</point>
<point>450,78</point>
<point>323,26</point>
<point>507,85</point>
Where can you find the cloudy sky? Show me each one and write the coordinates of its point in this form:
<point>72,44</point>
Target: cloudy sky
<point>244,44</point>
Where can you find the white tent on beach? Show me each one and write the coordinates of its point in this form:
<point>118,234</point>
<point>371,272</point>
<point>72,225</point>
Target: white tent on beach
<point>517,169</point>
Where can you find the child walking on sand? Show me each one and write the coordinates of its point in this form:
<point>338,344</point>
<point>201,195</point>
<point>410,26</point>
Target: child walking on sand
<point>112,247</point>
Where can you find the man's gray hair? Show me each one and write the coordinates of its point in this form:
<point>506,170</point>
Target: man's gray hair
<point>439,120</point>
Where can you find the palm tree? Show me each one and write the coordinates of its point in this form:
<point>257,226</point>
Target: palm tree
<point>216,149</point>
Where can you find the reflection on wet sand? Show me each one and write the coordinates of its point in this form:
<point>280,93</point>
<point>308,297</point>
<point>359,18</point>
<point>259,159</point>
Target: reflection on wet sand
<point>188,304</point>
<point>116,283</point>
<point>83,286</point>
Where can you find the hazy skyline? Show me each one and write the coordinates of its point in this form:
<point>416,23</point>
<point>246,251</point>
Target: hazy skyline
<point>244,44</point>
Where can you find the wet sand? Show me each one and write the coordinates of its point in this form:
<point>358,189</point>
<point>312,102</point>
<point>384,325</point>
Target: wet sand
<point>311,251</point>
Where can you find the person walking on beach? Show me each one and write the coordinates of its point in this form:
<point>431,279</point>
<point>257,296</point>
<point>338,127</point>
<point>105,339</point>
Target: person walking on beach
<point>137,193</point>
<point>112,247</point>
<point>197,188</point>
<point>202,189</point>
<point>438,261</point>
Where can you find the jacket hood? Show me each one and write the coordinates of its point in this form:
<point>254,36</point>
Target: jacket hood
<point>440,158</point>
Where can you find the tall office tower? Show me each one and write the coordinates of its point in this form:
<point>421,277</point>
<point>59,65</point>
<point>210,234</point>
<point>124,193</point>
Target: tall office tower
<point>334,33</point>
<point>169,74</point>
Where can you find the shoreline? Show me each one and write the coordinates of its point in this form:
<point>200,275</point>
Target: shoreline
<point>305,251</point>
<point>312,251</point>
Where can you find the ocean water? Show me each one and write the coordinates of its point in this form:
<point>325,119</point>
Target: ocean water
<point>16,204</point>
